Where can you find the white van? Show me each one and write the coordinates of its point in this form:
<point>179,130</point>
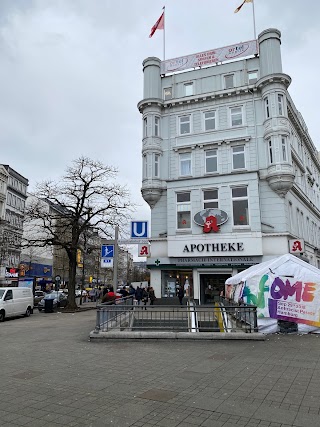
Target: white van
<point>15,301</point>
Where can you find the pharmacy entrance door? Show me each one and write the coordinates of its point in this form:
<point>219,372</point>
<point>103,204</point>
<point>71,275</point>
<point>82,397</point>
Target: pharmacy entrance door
<point>211,287</point>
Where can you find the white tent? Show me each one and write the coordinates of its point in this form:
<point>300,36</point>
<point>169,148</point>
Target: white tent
<point>284,288</point>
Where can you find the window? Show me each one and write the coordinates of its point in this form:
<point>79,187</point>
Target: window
<point>211,161</point>
<point>185,164</point>
<point>252,77</point>
<point>240,206</point>
<point>284,149</point>
<point>156,165</point>
<point>157,126</point>
<point>210,199</point>
<point>270,151</point>
<point>280,105</point>
<point>302,226</point>
<point>228,81</point>
<point>145,167</point>
<point>236,116</point>
<point>167,93</point>
<point>145,127</point>
<point>238,157</point>
<point>209,120</point>
<point>291,227</point>
<point>183,210</point>
<point>185,124</point>
<point>8,296</point>
<point>188,89</point>
<point>298,222</point>
<point>266,107</point>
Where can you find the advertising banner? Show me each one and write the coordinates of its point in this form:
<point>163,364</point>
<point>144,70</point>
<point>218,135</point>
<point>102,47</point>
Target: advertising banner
<point>284,298</point>
<point>210,57</point>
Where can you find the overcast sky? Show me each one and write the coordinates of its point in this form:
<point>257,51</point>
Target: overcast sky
<point>71,73</point>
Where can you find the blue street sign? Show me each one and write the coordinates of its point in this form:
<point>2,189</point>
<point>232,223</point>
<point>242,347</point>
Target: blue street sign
<point>107,251</point>
<point>139,229</point>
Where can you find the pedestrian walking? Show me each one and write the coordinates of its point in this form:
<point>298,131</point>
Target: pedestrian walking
<point>138,294</point>
<point>132,291</point>
<point>180,294</point>
<point>152,295</point>
<point>145,297</point>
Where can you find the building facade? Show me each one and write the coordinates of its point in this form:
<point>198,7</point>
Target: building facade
<point>229,170</point>
<point>13,195</point>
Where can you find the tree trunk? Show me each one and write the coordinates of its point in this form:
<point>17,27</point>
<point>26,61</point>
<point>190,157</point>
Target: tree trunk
<point>72,281</point>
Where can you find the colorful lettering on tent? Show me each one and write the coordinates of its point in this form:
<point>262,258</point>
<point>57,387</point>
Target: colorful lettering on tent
<point>258,300</point>
<point>279,290</point>
<point>294,302</point>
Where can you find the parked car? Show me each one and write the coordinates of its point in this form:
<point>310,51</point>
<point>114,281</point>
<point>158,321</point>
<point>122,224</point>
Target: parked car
<point>59,300</point>
<point>38,296</point>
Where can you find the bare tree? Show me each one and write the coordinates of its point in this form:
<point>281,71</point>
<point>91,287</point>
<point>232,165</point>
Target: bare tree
<point>87,197</point>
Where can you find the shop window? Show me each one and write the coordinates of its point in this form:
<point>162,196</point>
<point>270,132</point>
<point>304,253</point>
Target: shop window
<point>183,210</point>
<point>240,206</point>
<point>172,280</point>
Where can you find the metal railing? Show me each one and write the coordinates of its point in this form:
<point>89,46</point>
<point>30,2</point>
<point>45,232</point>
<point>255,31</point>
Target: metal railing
<point>124,315</point>
<point>242,313</point>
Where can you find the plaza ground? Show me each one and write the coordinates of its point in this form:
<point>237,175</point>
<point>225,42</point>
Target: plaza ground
<point>51,375</point>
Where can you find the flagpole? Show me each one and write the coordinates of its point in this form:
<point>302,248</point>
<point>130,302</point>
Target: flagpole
<point>164,33</point>
<point>254,21</point>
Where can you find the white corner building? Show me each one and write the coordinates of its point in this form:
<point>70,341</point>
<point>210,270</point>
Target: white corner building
<point>229,169</point>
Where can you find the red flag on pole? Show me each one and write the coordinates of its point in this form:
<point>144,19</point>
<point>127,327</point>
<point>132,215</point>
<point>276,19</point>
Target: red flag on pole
<point>239,7</point>
<point>159,25</point>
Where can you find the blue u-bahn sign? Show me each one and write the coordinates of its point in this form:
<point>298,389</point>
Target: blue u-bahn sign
<point>139,229</point>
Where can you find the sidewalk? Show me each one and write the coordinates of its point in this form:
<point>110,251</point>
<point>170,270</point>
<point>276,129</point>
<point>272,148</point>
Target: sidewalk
<point>53,376</point>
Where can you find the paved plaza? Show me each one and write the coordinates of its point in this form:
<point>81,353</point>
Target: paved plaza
<point>51,375</point>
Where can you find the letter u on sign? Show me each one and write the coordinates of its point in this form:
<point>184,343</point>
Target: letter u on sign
<point>139,229</point>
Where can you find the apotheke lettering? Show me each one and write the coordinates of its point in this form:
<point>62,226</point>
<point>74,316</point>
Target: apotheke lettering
<point>214,247</point>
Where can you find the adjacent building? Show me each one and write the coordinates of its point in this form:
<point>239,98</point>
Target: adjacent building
<point>13,195</point>
<point>229,169</point>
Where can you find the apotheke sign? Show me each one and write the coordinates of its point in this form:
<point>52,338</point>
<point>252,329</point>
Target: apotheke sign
<point>213,245</point>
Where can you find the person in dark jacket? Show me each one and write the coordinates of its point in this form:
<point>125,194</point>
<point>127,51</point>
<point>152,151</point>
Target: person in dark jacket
<point>138,294</point>
<point>152,295</point>
<point>180,294</point>
<point>145,297</point>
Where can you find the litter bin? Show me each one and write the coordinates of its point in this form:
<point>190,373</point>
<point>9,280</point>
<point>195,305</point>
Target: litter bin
<point>48,305</point>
